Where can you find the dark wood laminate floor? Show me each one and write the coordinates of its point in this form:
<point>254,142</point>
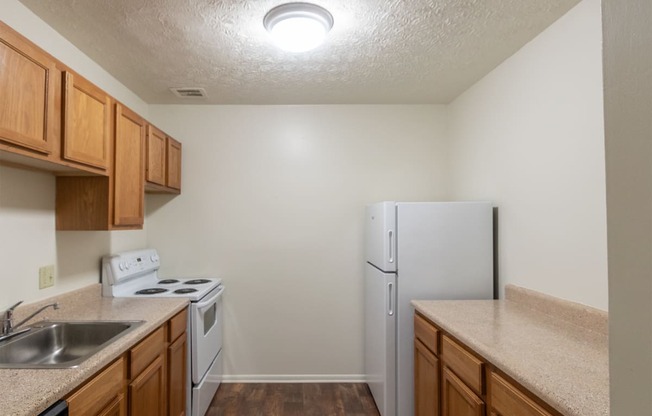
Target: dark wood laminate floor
<point>293,399</point>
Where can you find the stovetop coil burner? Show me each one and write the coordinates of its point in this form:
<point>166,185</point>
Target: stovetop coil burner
<point>167,281</point>
<point>152,291</point>
<point>196,281</point>
<point>185,290</point>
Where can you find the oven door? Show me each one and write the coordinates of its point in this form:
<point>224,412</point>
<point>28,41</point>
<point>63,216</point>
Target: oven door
<point>206,328</point>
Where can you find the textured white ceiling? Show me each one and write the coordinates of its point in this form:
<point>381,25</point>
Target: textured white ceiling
<point>379,51</point>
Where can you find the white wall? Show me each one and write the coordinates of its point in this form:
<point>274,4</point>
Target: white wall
<point>273,202</point>
<point>628,132</point>
<point>27,236</point>
<point>529,136</point>
<point>273,197</point>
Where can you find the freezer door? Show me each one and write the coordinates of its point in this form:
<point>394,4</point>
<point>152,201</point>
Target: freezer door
<point>380,235</point>
<point>380,338</point>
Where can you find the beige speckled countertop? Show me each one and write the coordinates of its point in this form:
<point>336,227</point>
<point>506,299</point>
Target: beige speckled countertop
<point>558,350</point>
<point>29,392</point>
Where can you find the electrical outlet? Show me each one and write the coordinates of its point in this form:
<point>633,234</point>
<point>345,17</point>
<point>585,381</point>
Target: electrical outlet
<point>46,276</point>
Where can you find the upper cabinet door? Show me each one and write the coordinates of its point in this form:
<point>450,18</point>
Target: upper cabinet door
<point>156,143</point>
<point>129,172</point>
<point>173,164</point>
<point>27,83</point>
<point>86,132</point>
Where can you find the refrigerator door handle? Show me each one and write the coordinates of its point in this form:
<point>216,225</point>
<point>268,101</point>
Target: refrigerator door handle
<point>390,236</point>
<point>390,289</point>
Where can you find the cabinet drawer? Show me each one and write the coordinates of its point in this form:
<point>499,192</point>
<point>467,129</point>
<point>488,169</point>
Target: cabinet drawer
<point>100,391</point>
<point>147,351</point>
<point>426,332</point>
<point>178,325</point>
<point>464,364</point>
<point>508,400</point>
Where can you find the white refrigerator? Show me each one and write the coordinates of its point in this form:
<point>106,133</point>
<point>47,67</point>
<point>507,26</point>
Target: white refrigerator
<point>417,250</point>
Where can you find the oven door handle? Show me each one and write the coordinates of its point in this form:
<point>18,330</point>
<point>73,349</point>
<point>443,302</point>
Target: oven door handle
<point>209,302</point>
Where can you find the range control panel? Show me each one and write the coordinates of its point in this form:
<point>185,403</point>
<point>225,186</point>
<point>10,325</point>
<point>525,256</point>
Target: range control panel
<point>128,264</point>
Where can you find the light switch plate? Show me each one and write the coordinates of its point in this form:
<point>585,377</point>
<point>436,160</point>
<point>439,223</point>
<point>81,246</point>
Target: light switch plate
<point>46,276</point>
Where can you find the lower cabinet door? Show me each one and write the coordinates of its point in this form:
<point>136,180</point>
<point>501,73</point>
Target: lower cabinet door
<point>117,408</point>
<point>457,398</point>
<point>177,376</point>
<point>147,392</point>
<point>426,381</point>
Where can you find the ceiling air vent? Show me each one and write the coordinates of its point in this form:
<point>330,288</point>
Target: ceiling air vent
<point>189,92</point>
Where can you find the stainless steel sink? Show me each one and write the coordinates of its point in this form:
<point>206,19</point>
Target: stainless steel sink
<point>50,344</point>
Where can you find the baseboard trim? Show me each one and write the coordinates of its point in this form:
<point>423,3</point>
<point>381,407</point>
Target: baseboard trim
<point>294,378</point>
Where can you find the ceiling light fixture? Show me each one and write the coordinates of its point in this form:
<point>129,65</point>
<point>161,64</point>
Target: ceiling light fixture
<point>298,27</point>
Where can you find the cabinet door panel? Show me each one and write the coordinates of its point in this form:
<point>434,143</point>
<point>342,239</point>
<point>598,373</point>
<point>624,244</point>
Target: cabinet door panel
<point>147,392</point>
<point>457,398</point>
<point>86,133</point>
<point>27,82</point>
<point>173,164</point>
<point>156,155</point>
<point>129,173</point>
<point>426,381</point>
<point>177,376</point>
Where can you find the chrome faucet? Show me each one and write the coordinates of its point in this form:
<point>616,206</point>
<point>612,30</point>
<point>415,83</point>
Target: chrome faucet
<point>8,327</point>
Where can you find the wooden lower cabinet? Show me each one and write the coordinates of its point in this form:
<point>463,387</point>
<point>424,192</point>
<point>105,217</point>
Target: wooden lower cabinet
<point>148,380</point>
<point>177,376</point>
<point>457,398</point>
<point>147,390</point>
<point>426,381</point>
<point>451,379</point>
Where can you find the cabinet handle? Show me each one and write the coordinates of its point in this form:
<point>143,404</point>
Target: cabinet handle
<point>390,289</point>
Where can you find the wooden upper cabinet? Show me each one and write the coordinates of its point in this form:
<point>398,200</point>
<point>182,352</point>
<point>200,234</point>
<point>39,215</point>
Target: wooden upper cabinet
<point>173,179</point>
<point>129,170</point>
<point>163,171</point>
<point>27,93</point>
<point>156,155</point>
<point>86,122</point>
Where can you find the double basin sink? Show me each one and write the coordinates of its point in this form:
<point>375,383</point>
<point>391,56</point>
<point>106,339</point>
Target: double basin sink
<point>61,344</point>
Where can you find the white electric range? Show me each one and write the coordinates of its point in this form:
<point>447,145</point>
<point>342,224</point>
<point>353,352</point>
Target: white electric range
<point>135,274</point>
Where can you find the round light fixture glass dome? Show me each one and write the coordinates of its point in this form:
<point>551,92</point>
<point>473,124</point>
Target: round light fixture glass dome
<point>298,27</point>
